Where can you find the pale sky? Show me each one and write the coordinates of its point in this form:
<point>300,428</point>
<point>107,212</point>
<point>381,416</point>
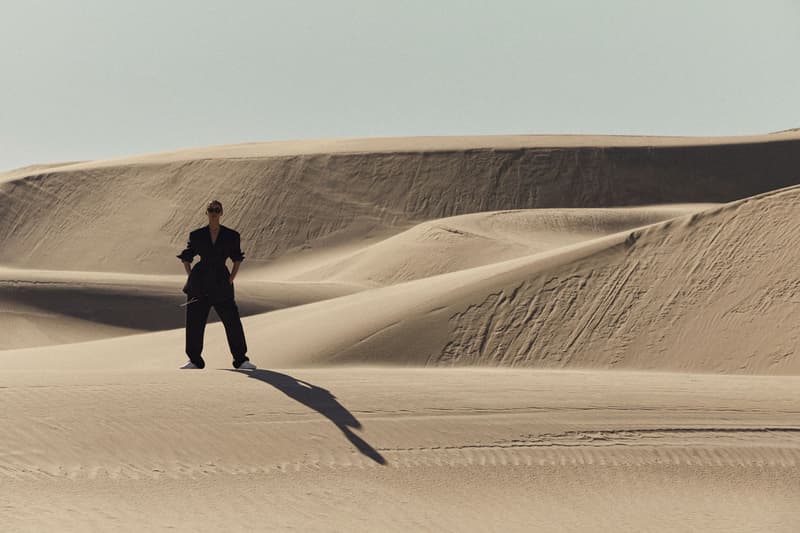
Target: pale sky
<point>92,79</point>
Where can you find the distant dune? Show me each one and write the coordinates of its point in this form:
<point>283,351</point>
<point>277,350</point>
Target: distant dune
<point>465,241</point>
<point>128,215</point>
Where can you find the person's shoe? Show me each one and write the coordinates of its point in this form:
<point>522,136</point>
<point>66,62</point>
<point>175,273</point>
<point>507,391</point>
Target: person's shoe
<point>247,365</point>
<point>189,365</point>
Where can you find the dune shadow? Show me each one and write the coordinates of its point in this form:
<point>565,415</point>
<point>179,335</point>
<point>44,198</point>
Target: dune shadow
<point>322,401</point>
<point>148,308</point>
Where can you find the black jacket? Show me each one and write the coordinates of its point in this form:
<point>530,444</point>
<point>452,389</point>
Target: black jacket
<point>209,277</point>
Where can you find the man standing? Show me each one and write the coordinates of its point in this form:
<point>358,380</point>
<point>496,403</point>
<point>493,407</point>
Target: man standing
<point>209,283</point>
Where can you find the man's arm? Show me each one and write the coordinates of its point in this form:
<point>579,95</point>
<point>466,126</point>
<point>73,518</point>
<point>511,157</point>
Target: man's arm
<point>235,269</point>
<point>187,255</point>
<point>236,255</point>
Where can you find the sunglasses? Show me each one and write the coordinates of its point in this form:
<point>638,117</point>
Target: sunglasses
<point>214,210</point>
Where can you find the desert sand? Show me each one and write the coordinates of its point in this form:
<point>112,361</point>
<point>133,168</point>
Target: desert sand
<point>511,333</point>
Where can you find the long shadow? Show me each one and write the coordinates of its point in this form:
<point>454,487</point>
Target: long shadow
<point>319,399</point>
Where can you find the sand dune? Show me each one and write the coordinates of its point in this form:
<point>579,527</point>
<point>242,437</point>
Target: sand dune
<point>584,305</point>
<point>128,215</point>
<point>710,292</point>
<point>53,307</point>
<point>455,334</point>
<point>466,241</point>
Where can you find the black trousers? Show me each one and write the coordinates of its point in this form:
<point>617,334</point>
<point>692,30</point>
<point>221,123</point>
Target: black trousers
<point>196,317</point>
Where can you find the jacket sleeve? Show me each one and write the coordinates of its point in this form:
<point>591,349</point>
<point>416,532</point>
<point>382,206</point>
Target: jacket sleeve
<point>189,252</point>
<point>236,253</point>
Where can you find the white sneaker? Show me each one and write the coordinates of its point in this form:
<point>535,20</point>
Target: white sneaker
<point>188,365</point>
<point>247,365</point>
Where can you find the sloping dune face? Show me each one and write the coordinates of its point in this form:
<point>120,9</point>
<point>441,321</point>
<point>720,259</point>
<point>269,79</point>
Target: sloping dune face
<point>130,215</point>
<point>716,291</point>
<point>467,241</point>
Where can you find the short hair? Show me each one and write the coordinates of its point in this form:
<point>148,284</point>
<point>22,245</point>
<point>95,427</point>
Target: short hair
<point>214,202</point>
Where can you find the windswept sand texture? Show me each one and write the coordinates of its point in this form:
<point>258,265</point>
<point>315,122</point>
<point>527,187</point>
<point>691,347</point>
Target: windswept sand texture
<point>520,333</point>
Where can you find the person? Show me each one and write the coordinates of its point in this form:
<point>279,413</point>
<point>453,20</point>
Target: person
<point>210,284</point>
